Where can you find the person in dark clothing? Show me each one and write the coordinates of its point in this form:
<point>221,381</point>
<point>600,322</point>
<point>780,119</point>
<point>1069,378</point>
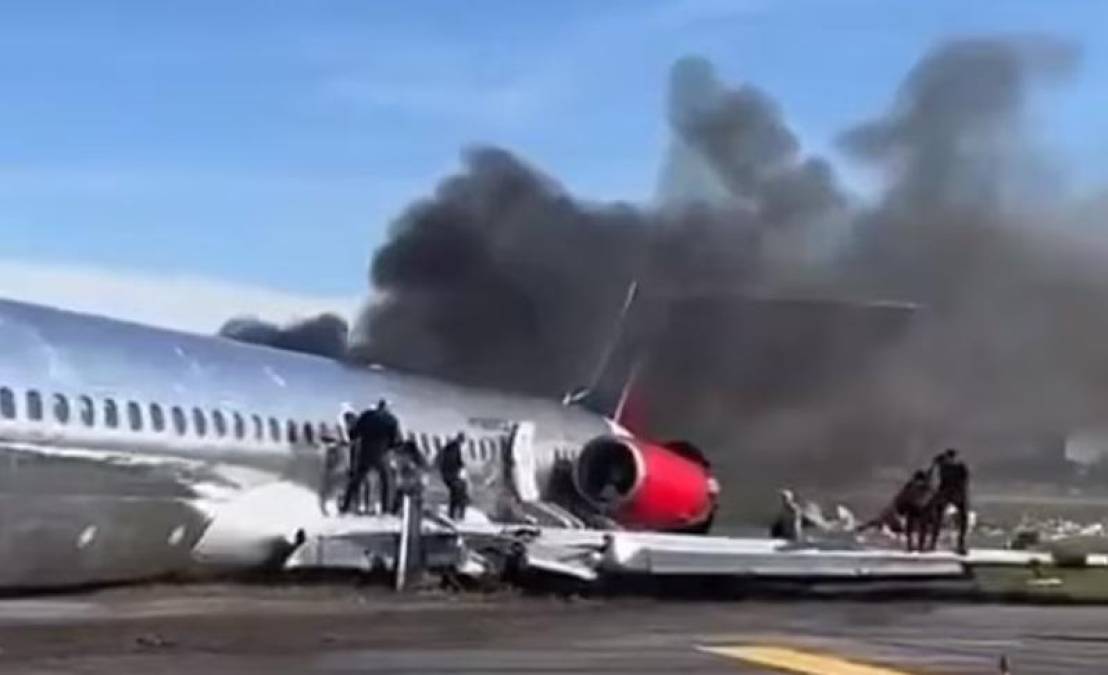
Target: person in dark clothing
<point>372,435</point>
<point>910,504</point>
<point>907,513</point>
<point>452,470</point>
<point>953,490</point>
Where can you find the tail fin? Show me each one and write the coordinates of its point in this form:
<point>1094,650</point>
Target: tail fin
<point>630,411</point>
<point>618,335</point>
<point>611,389</point>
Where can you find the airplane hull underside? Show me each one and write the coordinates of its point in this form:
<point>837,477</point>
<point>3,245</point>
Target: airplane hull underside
<point>75,520</point>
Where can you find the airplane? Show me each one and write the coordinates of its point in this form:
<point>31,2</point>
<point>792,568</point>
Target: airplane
<point>126,449</point>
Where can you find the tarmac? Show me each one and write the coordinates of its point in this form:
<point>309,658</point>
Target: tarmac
<point>344,628</point>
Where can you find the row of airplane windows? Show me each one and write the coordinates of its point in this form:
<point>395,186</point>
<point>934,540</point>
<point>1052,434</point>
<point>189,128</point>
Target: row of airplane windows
<point>139,417</point>
<point>222,425</point>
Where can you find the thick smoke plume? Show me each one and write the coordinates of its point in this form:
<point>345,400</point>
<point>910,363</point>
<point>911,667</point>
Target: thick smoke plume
<point>324,335</point>
<point>501,278</point>
<point>1007,297</point>
<point>992,323</point>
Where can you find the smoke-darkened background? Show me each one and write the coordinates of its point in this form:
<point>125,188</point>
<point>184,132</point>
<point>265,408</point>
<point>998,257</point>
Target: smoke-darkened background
<point>795,328</point>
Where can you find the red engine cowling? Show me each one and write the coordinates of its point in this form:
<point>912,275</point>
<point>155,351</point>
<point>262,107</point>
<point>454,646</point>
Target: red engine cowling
<point>644,485</point>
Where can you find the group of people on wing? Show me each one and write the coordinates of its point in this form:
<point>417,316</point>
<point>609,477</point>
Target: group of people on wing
<point>917,511</point>
<point>377,448</point>
<point>920,506</point>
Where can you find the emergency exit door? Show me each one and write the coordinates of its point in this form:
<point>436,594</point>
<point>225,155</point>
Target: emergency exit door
<point>524,465</point>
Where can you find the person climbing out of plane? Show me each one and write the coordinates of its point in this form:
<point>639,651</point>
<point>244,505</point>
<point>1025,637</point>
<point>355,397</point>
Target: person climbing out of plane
<point>452,470</point>
<point>372,435</point>
<point>907,513</point>
<point>953,490</point>
<point>410,467</point>
<point>789,523</point>
<point>910,504</point>
<point>335,461</point>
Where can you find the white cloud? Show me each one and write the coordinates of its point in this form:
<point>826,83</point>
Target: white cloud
<point>183,302</point>
<point>499,103</point>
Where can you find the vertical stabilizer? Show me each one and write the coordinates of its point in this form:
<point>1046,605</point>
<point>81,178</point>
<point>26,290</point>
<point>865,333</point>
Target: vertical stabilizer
<point>611,389</point>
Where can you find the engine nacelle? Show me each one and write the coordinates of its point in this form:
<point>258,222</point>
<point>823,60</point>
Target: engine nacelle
<point>644,485</point>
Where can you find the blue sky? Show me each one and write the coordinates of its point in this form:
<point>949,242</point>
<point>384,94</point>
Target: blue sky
<point>266,145</point>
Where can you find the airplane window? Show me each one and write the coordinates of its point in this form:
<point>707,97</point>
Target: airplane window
<point>111,414</point>
<point>7,403</point>
<point>292,434</point>
<point>309,433</point>
<point>219,423</point>
<point>134,416</point>
<point>84,405</point>
<point>180,422</point>
<point>239,425</point>
<point>470,447</point>
<point>199,422</point>
<point>157,418</point>
<point>487,449</point>
<point>61,409</point>
<point>438,443</point>
<point>34,405</point>
<point>425,443</point>
<point>259,428</point>
<point>274,430</point>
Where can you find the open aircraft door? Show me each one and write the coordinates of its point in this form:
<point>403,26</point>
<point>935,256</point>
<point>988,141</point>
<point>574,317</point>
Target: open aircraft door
<point>523,463</point>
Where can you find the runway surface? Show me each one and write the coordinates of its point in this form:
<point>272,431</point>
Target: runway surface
<point>342,629</point>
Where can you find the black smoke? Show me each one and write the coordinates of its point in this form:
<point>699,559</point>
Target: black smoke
<point>741,134</point>
<point>795,326</point>
<point>957,229</point>
<point>325,335</point>
<point>1005,347</point>
<point>501,278</point>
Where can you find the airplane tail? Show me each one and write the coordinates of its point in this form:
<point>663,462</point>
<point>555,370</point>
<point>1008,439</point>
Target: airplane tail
<point>612,389</point>
<point>630,411</point>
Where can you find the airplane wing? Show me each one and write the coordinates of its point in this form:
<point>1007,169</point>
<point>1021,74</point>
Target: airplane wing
<point>590,555</point>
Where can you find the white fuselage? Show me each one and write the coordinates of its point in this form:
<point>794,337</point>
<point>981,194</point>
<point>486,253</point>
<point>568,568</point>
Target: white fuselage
<point>119,442</point>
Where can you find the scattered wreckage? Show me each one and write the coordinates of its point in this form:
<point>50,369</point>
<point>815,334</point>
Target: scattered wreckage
<point>482,550</point>
<point>481,553</point>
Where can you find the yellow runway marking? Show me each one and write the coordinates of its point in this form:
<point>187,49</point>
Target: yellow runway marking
<point>795,661</point>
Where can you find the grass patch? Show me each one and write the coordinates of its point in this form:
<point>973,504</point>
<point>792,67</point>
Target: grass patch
<point>1061,584</point>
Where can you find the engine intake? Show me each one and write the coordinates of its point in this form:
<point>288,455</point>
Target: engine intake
<point>644,485</point>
